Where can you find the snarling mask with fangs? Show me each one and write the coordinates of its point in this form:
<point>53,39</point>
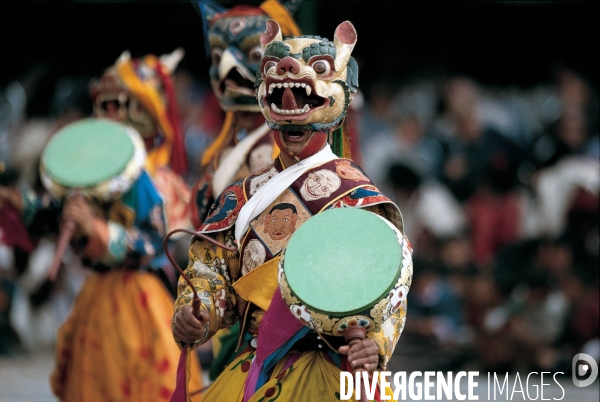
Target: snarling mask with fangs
<point>232,39</point>
<point>305,82</point>
<point>236,53</point>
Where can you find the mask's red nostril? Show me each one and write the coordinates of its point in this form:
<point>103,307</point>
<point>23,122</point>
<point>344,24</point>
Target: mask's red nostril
<point>288,64</point>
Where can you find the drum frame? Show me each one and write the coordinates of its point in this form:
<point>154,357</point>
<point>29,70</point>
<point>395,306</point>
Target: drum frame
<point>370,318</point>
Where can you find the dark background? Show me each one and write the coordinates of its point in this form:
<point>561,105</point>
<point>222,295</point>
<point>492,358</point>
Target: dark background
<point>499,43</point>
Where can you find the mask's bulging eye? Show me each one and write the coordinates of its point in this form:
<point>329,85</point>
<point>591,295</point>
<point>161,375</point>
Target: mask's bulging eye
<point>215,55</point>
<point>321,67</point>
<point>255,54</point>
<point>269,65</point>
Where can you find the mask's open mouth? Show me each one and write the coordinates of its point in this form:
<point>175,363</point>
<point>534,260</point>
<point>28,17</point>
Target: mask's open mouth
<point>115,102</point>
<point>235,82</point>
<point>291,99</point>
<point>295,136</point>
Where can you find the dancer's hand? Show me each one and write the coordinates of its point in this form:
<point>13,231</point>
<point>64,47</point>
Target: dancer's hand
<point>80,211</point>
<point>362,354</point>
<point>187,327</point>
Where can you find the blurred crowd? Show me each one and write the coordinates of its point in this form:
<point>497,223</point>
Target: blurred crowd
<point>499,192</point>
<point>498,188</point>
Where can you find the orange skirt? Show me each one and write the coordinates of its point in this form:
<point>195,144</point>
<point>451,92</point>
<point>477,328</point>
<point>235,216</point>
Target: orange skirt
<point>117,345</point>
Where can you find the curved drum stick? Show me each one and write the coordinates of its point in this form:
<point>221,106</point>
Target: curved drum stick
<point>65,235</point>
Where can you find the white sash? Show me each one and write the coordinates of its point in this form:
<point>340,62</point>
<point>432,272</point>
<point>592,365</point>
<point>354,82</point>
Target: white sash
<point>233,161</point>
<point>265,195</point>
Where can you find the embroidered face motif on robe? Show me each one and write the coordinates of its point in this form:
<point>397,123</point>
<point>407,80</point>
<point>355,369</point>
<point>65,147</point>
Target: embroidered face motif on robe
<point>254,255</point>
<point>276,224</point>
<point>320,184</point>
<point>280,222</point>
<point>348,172</point>
<point>305,82</point>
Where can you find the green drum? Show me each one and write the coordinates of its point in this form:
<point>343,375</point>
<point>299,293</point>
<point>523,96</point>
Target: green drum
<point>95,158</point>
<point>344,268</point>
<point>98,158</point>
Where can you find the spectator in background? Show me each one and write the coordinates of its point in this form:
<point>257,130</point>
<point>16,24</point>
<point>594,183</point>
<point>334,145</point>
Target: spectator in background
<point>534,310</point>
<point>434,337</point>
<point>456,259</point>
<point>574,132</point>
<point>581,332</point>
<point>407,142</point>
<point>495,210</point>
<point>378,113</point>
<point>480,168</point>
<point>566,156</point>
<point>469,142</point>
<point>516,333</point>
<point>572,182</point>
<point>568,135</point>
<point>431,213</point>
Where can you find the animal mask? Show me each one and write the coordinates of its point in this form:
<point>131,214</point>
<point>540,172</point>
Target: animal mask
<point>305,82</point>
<point>127,90</point>
<point>235,48</point>
<point>139,92</point>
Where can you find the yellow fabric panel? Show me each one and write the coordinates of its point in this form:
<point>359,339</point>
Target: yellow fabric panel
<point>276,151</point>
<point>311,378</point>
<point>122,214</point>
<point>258,286</point>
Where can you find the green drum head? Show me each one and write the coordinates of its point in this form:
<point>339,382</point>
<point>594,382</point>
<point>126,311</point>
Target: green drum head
<point>87,153</point>
<point>342,261</point>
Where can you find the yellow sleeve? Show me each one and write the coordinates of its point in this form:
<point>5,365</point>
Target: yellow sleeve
<point>386,337</point>
<point>210,271</point>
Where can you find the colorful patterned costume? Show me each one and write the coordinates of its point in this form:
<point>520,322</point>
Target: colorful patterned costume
<point>139,92</point>
<point>245,142</point>
<point>217,274</point>
<point>285,360</point>
<point>116,344</point>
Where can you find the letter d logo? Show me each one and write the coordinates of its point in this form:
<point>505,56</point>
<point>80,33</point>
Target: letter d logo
<point>581,369</point>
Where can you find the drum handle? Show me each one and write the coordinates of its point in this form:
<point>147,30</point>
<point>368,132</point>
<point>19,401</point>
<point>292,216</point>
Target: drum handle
<point>196,300</point>
<point>66,233</point>
<point>354,335</point>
